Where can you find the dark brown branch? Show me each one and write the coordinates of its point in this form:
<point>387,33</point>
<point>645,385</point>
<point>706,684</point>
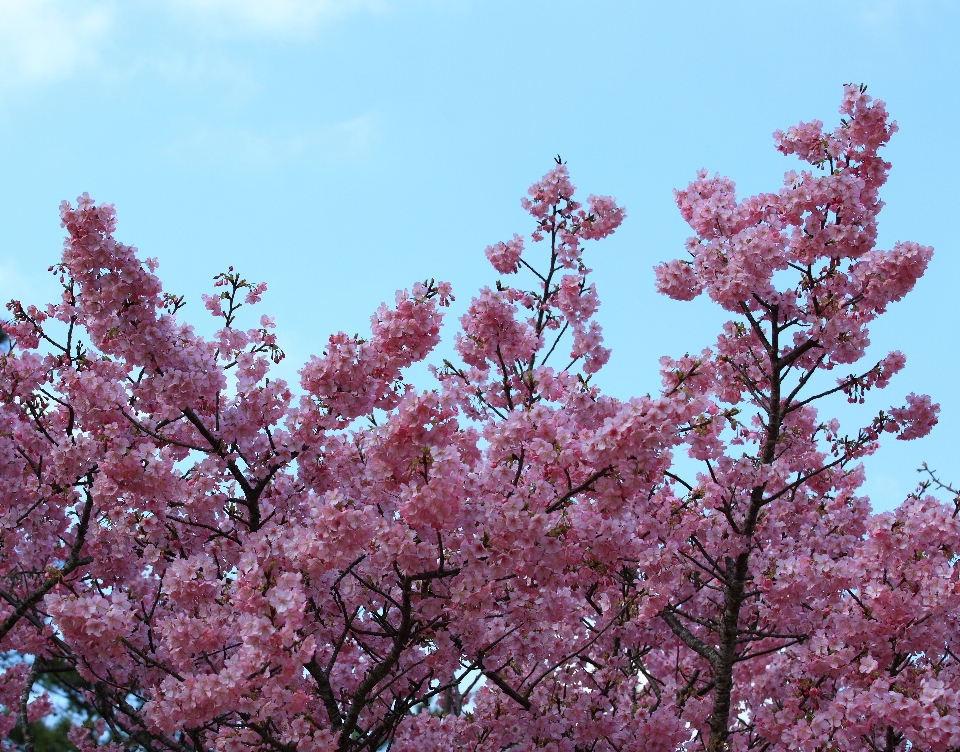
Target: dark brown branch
<point>73,562</point>
<point>561,502</point>
<point>506,688</point>
<point>24,701</point>
<point>689,639</point>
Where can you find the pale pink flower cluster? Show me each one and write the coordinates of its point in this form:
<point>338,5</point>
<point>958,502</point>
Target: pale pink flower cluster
<point>676,279</point>
<point>505,256</point>
<point>917,418</point>
<point>355,375</point>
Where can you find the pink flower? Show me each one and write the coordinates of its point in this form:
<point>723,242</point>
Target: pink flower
<point>677,280</point>
<point>505,257</point>
<point>917,418</point>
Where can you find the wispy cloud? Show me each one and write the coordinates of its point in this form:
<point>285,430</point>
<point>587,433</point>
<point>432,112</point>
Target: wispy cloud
<point>49,39</point>
<point>249,149</point>
<point>45,40</point>
<point>888,15</point>
<point>880,12</point>
<point>272,17</point>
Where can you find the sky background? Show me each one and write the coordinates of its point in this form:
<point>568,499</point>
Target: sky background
<point>340,150</point>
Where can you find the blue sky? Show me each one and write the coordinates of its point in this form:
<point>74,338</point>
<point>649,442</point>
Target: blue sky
<point>340,150</point>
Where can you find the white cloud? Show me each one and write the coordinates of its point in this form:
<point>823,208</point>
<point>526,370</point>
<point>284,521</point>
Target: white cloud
<point>248,149</point>
<point>43,40</point>
<point>49,39</point>
<point>888,15</point>
<point>880,12</point>
<point>272,16</point>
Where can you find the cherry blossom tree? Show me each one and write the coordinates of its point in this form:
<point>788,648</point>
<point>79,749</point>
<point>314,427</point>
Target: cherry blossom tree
<point>805,622</point>
<point>511,559</point>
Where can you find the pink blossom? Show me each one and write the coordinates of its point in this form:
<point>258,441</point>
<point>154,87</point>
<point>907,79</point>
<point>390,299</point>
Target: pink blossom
<point>505,257</point>
<point>677,280</point>
<point>917,418</point>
